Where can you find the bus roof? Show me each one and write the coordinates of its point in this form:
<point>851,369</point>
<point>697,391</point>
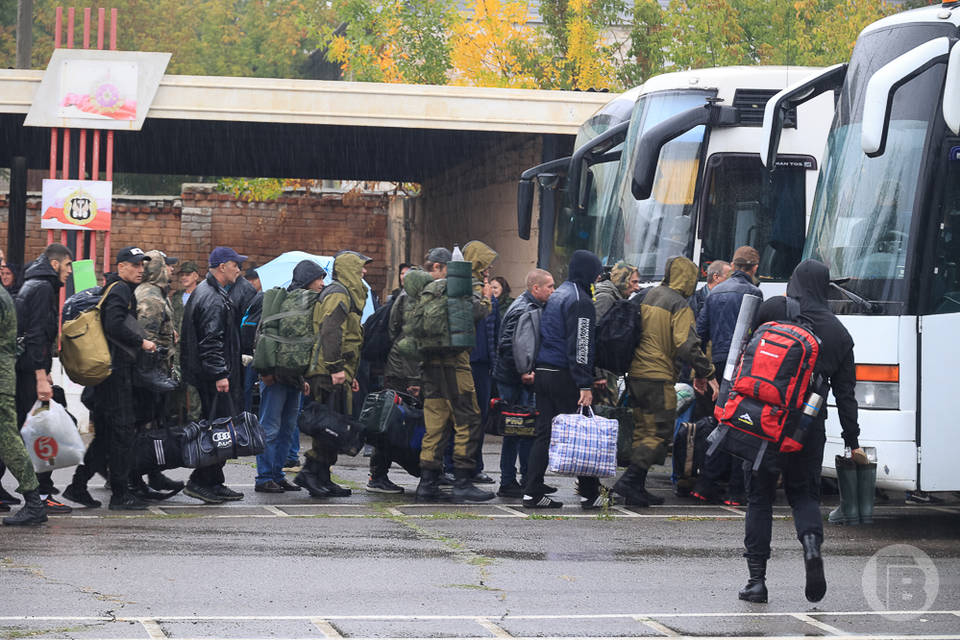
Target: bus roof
<point>933,13</point>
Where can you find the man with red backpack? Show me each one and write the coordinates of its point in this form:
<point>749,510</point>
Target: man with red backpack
<point>835,367</point>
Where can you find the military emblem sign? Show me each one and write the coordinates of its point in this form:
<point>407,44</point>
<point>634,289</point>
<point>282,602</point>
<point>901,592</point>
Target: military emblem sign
<point>76,204</point>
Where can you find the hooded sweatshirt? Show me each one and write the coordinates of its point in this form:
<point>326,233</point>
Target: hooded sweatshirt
<point>809,285</point>
<point>336,318</point>
<point>568,324</point>
<point>37,320</point>
<point>304,273</point>
<point>669,328</point>
<point>154,311</point>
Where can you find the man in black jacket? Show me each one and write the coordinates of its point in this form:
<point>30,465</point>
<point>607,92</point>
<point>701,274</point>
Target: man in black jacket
<point>210,360</point>
<point>515,386</point>
<point>564,377</point>
<point>37,328</point>
<point>114,396</point>
<point>809,285</point>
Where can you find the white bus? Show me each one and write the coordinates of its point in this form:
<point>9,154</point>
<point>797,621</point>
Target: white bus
<point>681,175</point>
<point>886,219</point>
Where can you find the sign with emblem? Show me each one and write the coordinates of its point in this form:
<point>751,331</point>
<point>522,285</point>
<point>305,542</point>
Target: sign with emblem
<point>78,205</point>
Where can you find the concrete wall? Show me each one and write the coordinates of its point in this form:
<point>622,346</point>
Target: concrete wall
<point>477,200</point>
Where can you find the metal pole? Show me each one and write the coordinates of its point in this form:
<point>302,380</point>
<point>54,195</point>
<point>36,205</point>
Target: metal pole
<point>17,216</point>
<point>24,33</point>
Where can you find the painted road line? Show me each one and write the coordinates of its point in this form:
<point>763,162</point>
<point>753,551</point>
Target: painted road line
<point>823,626</point>
<point>157,511</point>
<point>153,629</point>
<point>658,627</point>
<point>327,629</point>
<point>885,636</point>
<point>512,511</point>
<point>740,513</point>
<point>275,511</point>
<point>492,627</point>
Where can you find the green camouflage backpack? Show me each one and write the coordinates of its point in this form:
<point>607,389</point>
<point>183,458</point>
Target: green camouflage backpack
<point>443,323</point>
<point>285,335</point>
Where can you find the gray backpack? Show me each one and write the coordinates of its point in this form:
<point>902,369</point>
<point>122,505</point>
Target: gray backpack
<point>526,340</point>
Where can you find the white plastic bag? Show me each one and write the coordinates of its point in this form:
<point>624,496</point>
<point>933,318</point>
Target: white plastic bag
<point>52,439</point>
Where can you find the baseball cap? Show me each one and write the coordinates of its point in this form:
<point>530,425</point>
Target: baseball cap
<point>189,267</point>
<point>133,255</point>
<point>219,255</point>
<point>169,259</point>
<point>439,254</point>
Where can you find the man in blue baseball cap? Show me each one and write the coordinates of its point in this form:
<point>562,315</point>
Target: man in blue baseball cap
<point>210,360</point>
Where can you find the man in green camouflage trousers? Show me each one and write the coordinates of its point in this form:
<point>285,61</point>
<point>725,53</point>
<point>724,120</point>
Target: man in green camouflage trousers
<point>12,450</point>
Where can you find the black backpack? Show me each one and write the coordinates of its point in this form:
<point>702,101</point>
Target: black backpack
<point>376,334</point>
<point>618,334</point>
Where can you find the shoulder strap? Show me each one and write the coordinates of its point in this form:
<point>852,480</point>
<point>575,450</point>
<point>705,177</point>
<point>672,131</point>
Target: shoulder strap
<point>106,292</point>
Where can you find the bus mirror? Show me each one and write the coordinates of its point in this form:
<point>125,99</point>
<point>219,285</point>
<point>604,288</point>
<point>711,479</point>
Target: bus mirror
<point>585,186</point>
<point>775,113</point>
<point>884,84</point>
<point>951,91</point>
<point>524,208</point>
<point>652,142</point>
<point>591,152</point>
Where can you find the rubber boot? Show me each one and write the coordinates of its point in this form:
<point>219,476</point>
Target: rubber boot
<point>32,513</point>
<point>334,490</point>
<point>849,510</point>
<point>866,490</point>
<point>756,589</point>
<point>816,585</point>
<point>630,486</point>
<point>309,479</point>
<point>429,488</point>
<point>465,491</point>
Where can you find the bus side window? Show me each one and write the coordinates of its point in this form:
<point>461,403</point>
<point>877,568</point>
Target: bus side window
<point>945,283</point>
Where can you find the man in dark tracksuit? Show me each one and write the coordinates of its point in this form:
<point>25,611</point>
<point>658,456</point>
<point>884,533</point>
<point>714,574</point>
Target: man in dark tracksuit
<point>669,335</point>
<point>210,359</point>
<point>114,396</point>
<point>38,326</point>
<point>13,453</point>
<point>564,376</point>
<point>809,285</point>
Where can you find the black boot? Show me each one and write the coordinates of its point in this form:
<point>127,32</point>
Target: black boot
<point>335,490</point>
<point>309,479</point>
<point>140,489</point>
<point>630,486</point>
<point>813,563</point>
<point>429,488</point>
<point>32,513</point>
<point>464,489</point>
<point>77,490</point>
<point>651,498</point>
<point>160,482</point>
<point>756,589</point>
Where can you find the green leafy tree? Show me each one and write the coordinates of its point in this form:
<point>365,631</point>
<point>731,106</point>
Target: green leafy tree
<point>705,34</point>
<point>649,36</point>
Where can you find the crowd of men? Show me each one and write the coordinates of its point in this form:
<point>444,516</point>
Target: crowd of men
<point>203,335</point>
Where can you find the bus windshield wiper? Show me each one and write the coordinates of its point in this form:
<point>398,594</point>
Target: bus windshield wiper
<point>867,306</point>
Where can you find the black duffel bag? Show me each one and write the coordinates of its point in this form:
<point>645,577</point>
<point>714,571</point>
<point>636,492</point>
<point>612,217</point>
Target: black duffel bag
<point>510,420</point>
<point>159,449</point>
<point>216,440</point>
<point>322,421</point>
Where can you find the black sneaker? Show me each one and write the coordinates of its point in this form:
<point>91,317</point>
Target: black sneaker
<point>541,502</point>
<point>446,480</point>
<point>161,482</point>
<point>510,490</point>
<point>226,493</point>
<point>383,485</point>
<point>601,501</point>
<point>127,502</point>
<point>52,506</point>
<point>286,485</point>
<point>921,497</point>
<point>7,497</point>
<point>482,478</point>
<point>206,494</point>
<point>80,495</point>
<point>268,487</point>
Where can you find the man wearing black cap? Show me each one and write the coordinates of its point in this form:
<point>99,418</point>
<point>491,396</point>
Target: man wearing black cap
<point>210,360</point>
<point>114,396</point>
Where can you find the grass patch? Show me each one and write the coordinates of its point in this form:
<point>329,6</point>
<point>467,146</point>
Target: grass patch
<point>454,515</point>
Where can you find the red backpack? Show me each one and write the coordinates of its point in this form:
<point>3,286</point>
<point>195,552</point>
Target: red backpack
<point>769,388</point>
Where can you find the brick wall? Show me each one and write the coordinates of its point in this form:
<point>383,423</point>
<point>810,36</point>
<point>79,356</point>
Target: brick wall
<point>189,226</point>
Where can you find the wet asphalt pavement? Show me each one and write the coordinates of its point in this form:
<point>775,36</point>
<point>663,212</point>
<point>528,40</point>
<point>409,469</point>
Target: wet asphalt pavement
<point>288,566</point>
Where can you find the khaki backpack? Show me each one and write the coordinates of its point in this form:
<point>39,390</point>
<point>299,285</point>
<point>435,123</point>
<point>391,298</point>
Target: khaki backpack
<point>84,352</point>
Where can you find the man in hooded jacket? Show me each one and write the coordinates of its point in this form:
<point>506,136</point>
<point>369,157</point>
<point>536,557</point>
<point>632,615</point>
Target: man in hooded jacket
<point>450,403</point>
<point>564,377</point>
<point>669,335</point>
<point>808,285</point>
<point>332,373</point>
<point>280,400</point>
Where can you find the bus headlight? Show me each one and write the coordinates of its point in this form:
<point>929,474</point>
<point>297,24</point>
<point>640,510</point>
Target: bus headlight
<point>878,395</point>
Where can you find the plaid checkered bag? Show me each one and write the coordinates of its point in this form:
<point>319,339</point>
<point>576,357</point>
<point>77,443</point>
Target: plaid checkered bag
<point>583,444</point>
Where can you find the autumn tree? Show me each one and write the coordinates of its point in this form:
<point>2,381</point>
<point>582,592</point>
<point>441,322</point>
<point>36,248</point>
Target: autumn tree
<point>495,47</point>
<point>580,49</point>
<point>706,33</point>
<point>649,36</point>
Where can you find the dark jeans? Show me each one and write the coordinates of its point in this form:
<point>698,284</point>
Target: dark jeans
<point>384,455</point>
<point>514,447</point>
<point>801,482</point>
<point>557,394</point>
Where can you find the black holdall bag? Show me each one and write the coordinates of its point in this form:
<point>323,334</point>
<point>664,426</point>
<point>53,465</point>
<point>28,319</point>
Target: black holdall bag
<point>159,449</point>
<point>216,440</point>
<point>324,422</point>
<point>510,420</point>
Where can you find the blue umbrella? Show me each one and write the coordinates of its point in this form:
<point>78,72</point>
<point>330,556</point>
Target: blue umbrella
<point>279,272</point>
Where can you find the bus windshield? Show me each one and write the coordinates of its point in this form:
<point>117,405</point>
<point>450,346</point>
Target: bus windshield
<point>862,219</point>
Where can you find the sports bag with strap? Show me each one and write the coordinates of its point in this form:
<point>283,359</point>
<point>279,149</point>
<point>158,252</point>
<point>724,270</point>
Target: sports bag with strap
<point>84,352</point>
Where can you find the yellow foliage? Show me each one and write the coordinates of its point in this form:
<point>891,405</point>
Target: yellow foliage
<point>488,48</point>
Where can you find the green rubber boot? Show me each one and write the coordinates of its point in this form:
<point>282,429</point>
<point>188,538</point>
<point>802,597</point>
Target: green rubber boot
<point>866,490</point>
<point>849,510</point>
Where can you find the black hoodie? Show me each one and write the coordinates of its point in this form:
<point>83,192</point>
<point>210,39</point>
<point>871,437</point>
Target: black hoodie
<point>304,273</point>
<point>809,285</point>
<point>37,317</point>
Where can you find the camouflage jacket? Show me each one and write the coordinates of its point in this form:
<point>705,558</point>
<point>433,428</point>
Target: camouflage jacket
<point>8,344</point>
<point>154,311</point>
